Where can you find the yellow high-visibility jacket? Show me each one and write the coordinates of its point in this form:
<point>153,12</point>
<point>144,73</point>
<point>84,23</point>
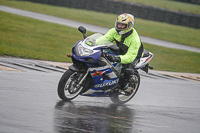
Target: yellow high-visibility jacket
<point>129,47</point>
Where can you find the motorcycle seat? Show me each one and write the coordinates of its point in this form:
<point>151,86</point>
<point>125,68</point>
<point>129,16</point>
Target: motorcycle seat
<point>145,53</point>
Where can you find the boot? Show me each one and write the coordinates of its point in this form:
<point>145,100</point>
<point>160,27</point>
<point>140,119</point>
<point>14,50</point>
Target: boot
<point>127,78</point>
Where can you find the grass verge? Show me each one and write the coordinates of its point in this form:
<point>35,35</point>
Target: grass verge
<point>167,59</point>
<point>163,31</point>
<point>30,38</point>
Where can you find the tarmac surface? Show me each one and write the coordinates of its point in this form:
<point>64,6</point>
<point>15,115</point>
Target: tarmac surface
<point>92,28</point>
<point>30,104</point>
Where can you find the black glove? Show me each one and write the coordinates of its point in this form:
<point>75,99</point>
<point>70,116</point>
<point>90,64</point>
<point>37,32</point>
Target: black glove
<point>114,59</point>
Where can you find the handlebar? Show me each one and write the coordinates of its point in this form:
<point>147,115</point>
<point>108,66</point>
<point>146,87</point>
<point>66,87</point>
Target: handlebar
<point>105,55</point>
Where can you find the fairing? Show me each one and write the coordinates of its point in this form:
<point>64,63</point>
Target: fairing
<point>87,54</point>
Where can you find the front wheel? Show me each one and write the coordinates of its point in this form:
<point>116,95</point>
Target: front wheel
<point>67,87</point>
<point>123,96</point>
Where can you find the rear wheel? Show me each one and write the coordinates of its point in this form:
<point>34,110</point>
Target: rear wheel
<point>67,87</point>
<point>123,96</point>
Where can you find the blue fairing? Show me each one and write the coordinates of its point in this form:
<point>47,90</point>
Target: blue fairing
<point>101,86</point>
<point>88,53</point>
<point>94,56</point>
<point>99,83</point>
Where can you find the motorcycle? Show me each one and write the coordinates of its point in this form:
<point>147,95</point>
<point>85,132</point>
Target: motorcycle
<point>92,74</point>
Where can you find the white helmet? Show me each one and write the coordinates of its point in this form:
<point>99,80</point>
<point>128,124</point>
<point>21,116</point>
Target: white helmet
<point>126,19</point>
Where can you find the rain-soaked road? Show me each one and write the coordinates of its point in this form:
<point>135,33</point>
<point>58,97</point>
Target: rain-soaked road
<point>29,104</point>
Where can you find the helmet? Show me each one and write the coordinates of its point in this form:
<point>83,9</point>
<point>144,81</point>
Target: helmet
<point>127,20</point>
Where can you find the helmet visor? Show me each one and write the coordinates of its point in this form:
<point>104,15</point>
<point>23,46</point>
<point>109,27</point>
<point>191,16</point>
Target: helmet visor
<point>121,26</point>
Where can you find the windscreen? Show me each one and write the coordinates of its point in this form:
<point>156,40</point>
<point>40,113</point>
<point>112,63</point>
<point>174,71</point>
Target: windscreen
<point>97,39</point>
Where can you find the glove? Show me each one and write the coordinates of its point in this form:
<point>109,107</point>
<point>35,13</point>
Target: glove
<point>114,59</point>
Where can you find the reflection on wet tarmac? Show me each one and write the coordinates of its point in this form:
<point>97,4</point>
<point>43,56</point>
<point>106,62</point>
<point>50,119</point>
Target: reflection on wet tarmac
<point>77,117</point>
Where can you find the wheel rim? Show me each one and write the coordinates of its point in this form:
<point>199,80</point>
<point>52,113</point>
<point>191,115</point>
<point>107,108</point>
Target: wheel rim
<point>70,89</point>
<point>132,89</point>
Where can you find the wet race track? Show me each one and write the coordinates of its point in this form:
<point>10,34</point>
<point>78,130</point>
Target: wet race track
<point>30,104</point>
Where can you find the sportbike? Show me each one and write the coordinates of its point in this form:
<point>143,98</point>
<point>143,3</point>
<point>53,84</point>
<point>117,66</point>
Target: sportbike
<point>92,74</point>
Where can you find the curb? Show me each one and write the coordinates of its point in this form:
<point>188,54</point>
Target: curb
<point>65,66</point>
<point>186,76</point>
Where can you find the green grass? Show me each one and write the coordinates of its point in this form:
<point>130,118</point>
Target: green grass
<point>168,59</point>
<point>163,31</point>
<point>30,38</point>
<point>169,4</point>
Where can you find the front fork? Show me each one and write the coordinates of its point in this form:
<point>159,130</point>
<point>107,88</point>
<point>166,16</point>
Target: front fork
<point>81,78</point>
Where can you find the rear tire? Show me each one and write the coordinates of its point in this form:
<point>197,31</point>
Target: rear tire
<point>121,96</point>
<point>67,89</point>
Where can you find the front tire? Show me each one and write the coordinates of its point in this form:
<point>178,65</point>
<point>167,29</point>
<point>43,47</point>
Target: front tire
<point>121,96</point>
<point>67,86</point>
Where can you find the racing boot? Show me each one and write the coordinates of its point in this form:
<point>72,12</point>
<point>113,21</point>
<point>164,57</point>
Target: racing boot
<point>128,74</point>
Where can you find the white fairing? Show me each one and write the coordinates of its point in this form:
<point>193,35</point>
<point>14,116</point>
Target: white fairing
<point>144,61</point>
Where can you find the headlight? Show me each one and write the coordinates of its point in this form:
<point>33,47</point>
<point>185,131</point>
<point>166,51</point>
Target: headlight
<point>82,51</point>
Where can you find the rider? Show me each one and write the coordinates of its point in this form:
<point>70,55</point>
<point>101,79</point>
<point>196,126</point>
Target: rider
<point>128,41</point>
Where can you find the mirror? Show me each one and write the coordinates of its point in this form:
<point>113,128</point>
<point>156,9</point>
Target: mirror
<point>82,29</point>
